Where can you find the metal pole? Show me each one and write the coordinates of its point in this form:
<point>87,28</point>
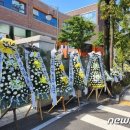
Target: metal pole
<point>57,33</point>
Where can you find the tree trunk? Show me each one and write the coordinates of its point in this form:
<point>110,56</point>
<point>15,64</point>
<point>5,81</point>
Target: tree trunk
<point>107,41</point>
<point>107,45</point>
<point>112,42</point>
<point>122,65</point>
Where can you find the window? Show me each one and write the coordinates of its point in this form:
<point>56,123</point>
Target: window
<point>4,28</point>
<point>42,17</point>
<point>35,13</point>
<point>1,2</point>
<point>91,16</point>
<point>18,6</point>
<point>19,32</point>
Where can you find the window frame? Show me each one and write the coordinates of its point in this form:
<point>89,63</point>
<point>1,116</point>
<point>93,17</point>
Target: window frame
<point>90,12</point>
<point>19,9</point>
<point>52,22</point>
<point>35,15</point>
<point>2,2</point>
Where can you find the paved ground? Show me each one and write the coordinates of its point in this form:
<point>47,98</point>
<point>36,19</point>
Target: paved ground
<point>33,119</point>
<point>92,117</point>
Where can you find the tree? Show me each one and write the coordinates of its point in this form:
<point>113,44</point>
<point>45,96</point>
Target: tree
<point>114,11</point>
<point>122,35</point>
<point>122,48</point>
<point>76,31</point>
<point>99,41</point>
<point>104,4</point>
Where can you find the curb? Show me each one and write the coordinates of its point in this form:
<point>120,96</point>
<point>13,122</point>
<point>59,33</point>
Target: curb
<point>59,116</point>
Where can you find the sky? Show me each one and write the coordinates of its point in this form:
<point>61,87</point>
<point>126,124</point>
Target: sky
<point>68,5</point>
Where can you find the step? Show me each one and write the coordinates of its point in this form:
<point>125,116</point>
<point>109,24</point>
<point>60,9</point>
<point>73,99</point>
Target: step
<point>125,97</point>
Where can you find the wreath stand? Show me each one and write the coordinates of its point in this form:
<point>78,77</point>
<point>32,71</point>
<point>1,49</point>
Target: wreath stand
<point>39,109</point>
<point>14,113</point>
<point>63,104</point>
<point>73,97</point>
<point>98,93</point>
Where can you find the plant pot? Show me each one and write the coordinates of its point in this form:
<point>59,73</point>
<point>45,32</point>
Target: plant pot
<point>98,49</point>
<point>82,53</point>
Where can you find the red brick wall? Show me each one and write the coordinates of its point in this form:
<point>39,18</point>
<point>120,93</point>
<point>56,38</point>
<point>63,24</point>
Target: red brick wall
<point>27,21</point>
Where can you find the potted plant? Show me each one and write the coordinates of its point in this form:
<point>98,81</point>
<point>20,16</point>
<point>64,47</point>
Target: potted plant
<point>76,31</point>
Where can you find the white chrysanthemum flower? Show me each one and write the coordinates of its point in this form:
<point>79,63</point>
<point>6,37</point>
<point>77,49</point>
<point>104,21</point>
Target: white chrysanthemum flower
<point>15,93</point>
<point>4,72</point>
<point>8,92</point>
<point>32,76</point>
<point>6,97</point>
<point>9,78</point>
<point>14,74</point>
<point>6,83</point>
<point>18,95</point>
<point>3,78</point>
<point>1,85</point>
<point>22,95</point>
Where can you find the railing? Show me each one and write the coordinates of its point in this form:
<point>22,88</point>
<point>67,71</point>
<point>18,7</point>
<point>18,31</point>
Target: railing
<point>123,91</point>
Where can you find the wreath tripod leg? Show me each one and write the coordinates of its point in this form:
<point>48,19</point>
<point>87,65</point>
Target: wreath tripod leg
<point>57,103</point>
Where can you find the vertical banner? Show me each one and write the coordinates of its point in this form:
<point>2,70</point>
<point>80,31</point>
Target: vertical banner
<point>26,77</point>
<point>26,58</point>
<point>53,80</point>
<point>71,74</point>
<point>1,64</point>
<point>85,79</point>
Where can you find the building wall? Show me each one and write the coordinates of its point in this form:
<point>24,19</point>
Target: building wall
<point>27,21</point>
<point>88,9</point>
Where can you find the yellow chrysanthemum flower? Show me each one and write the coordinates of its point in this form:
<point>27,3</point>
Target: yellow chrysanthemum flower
<point>37,64</point>
<point>77,65</point>
<point>64,79</point>
<point>35,54</point>
<point>7,46</point>
<point>81,74</point>
<point>43,80</point>
<point>61,67</point>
